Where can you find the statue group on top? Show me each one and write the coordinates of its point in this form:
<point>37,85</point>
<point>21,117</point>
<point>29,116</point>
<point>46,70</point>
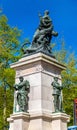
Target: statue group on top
<point>42,36</point>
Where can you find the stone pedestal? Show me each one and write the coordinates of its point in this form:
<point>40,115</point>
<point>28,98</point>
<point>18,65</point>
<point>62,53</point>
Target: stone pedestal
<point>39,69</point>
<point>19,121</point>
<point>59,121</point>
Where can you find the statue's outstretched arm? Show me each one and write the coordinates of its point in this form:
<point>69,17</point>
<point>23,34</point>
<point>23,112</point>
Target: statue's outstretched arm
<point>54,33</point>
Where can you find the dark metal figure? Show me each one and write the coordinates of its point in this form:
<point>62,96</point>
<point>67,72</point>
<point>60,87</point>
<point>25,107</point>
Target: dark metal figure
<point>42,36</point>
<point>21,95</point>
<point>57,93</point>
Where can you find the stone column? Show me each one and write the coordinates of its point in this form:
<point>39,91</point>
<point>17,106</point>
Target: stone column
<point>39,69</point>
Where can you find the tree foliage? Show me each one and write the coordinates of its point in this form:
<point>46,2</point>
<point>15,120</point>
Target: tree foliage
<point>9,50</point>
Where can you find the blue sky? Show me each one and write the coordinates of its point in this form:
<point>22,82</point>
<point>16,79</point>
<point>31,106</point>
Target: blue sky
<point>24,15</point>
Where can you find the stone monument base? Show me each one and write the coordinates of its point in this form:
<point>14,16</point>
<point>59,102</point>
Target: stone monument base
<point>38,121</point>
<point>39,69</point>
<point>19,121</point>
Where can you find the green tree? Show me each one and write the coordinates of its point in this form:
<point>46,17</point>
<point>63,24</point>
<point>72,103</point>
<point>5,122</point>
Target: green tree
<point>70,81</point>
<point>9,52</point>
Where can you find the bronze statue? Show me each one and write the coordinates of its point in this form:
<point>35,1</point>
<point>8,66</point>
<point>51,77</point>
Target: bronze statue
<point>42,36</point>
<point>57,93</point>
<point>21,95</point>
<point>45,29</point>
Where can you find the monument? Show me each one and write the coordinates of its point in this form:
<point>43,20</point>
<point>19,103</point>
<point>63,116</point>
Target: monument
<point>38,94</point>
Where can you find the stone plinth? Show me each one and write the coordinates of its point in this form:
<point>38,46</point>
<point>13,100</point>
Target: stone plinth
<point>39,69</point>
<point>19,121</point>
<point>38,121</point>
<point>59,121</point>
<point>45,121</point>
